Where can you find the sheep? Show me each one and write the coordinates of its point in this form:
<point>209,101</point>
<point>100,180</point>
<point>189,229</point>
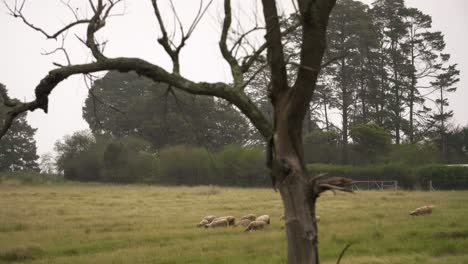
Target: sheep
<point>264,218</point>
<point>422,210</point>
<point>209,218</point>
<point>203,222</point>
<point>255,225</point>
<point>244,222</point>
<point>218,223</point>
<point>231,219</point>
<point>251,217</point>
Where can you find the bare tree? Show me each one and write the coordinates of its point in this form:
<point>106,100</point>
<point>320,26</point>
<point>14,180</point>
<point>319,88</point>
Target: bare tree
<point>285,157</point>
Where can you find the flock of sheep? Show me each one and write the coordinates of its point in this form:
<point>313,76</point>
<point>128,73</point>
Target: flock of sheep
<point>250,221</point>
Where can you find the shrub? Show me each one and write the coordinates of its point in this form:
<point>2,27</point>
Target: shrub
<point>322,146</point>
<point>185,165</point>
<point>443,176</point>
<point>241,166</point>
<point>371,141</point>
<point>29,177</point>
<point>414,154</point>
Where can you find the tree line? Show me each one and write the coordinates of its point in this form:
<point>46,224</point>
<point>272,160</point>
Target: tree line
<point>384,71</point>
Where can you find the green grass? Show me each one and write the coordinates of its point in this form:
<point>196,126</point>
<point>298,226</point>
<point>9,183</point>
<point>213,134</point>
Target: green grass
<point>93,223</point>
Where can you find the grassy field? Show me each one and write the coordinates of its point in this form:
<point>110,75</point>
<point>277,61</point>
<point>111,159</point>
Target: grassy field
<point>81,223</point>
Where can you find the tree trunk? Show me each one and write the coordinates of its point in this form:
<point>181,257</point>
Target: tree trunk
<point>326,115</point>
<point>344,114</point>
<point>412,94</point>
<point>286,154</point>
<point>296,192</point>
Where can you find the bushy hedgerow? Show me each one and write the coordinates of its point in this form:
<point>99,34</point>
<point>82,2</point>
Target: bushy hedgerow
<point>408,177</point>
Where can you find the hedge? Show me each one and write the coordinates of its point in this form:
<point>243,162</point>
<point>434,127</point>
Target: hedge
<point>443,177</point>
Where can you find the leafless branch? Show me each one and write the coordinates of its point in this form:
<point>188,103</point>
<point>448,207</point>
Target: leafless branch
<point>251,78</point>
<point>62,49</point>
<point>167,42</point>
<point>335,184</point>
<point>17,12</point>
<point>249,60</point>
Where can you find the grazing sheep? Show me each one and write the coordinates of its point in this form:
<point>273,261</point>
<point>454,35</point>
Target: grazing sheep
<point>244,222</point>
<point>422,210</point>
<point>209,218</point>
<point>231,219</point>
<point>203,222</point>
<point>251,217</point>
<point>218,223</point>
<point>264,218</point>
<point>255,225</point>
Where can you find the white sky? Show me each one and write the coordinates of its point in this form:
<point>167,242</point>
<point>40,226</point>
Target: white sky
<point>22,66</point>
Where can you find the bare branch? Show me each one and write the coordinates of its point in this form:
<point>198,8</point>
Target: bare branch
<point>17,13</point>
<point>171,49</point>
<point>334,59</point>
<point>250,60</point>
<point>251,78</point>
<point>62,49</point>
<point>151,71</point>
<point>335,184</point>
<point>234,65</point>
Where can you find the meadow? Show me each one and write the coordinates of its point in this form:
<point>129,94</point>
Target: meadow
<point>96,223</point>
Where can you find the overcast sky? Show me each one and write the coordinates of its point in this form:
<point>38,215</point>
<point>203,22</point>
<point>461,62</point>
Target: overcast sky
<point>22,66</point>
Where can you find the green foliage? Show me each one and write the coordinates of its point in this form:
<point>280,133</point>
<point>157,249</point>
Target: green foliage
<point>71,147</point>
<point>28,177</point>
<point>414,154</point>
<point>409,177</point>
<point>81,157</point>
<point>160,114</point>
<point>443,176</point>
<point>321,146</point>
<point>241,166</point>
<point>182,165</point>
<point>371,141</point>
<point>18,147</point>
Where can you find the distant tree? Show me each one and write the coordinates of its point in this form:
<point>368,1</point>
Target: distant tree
<point>70,148</point>
<point>18,147</point>
<point>371,141</point>
<point>350,39</point>
<point>47,163</point>
<point>128,160</point>
<point>421,46</point>
<point>392,32</point>
<point>322,146</point>
<point>457,145</point>
<point>443,84</point>
<point>125,104</point>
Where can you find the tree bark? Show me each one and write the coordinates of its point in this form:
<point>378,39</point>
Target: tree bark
<point>290,104</point>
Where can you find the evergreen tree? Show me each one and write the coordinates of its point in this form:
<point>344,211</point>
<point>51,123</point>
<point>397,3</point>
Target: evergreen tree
<point>18,147</point>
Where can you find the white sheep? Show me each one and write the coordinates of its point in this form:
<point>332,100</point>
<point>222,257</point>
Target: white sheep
<point>251,217</point>
<point>255,225</point>
<point>264,218</point>
<point>422,210</point>
<point>209,218</point>
<point>218,223</point>
<point>244,222</point>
